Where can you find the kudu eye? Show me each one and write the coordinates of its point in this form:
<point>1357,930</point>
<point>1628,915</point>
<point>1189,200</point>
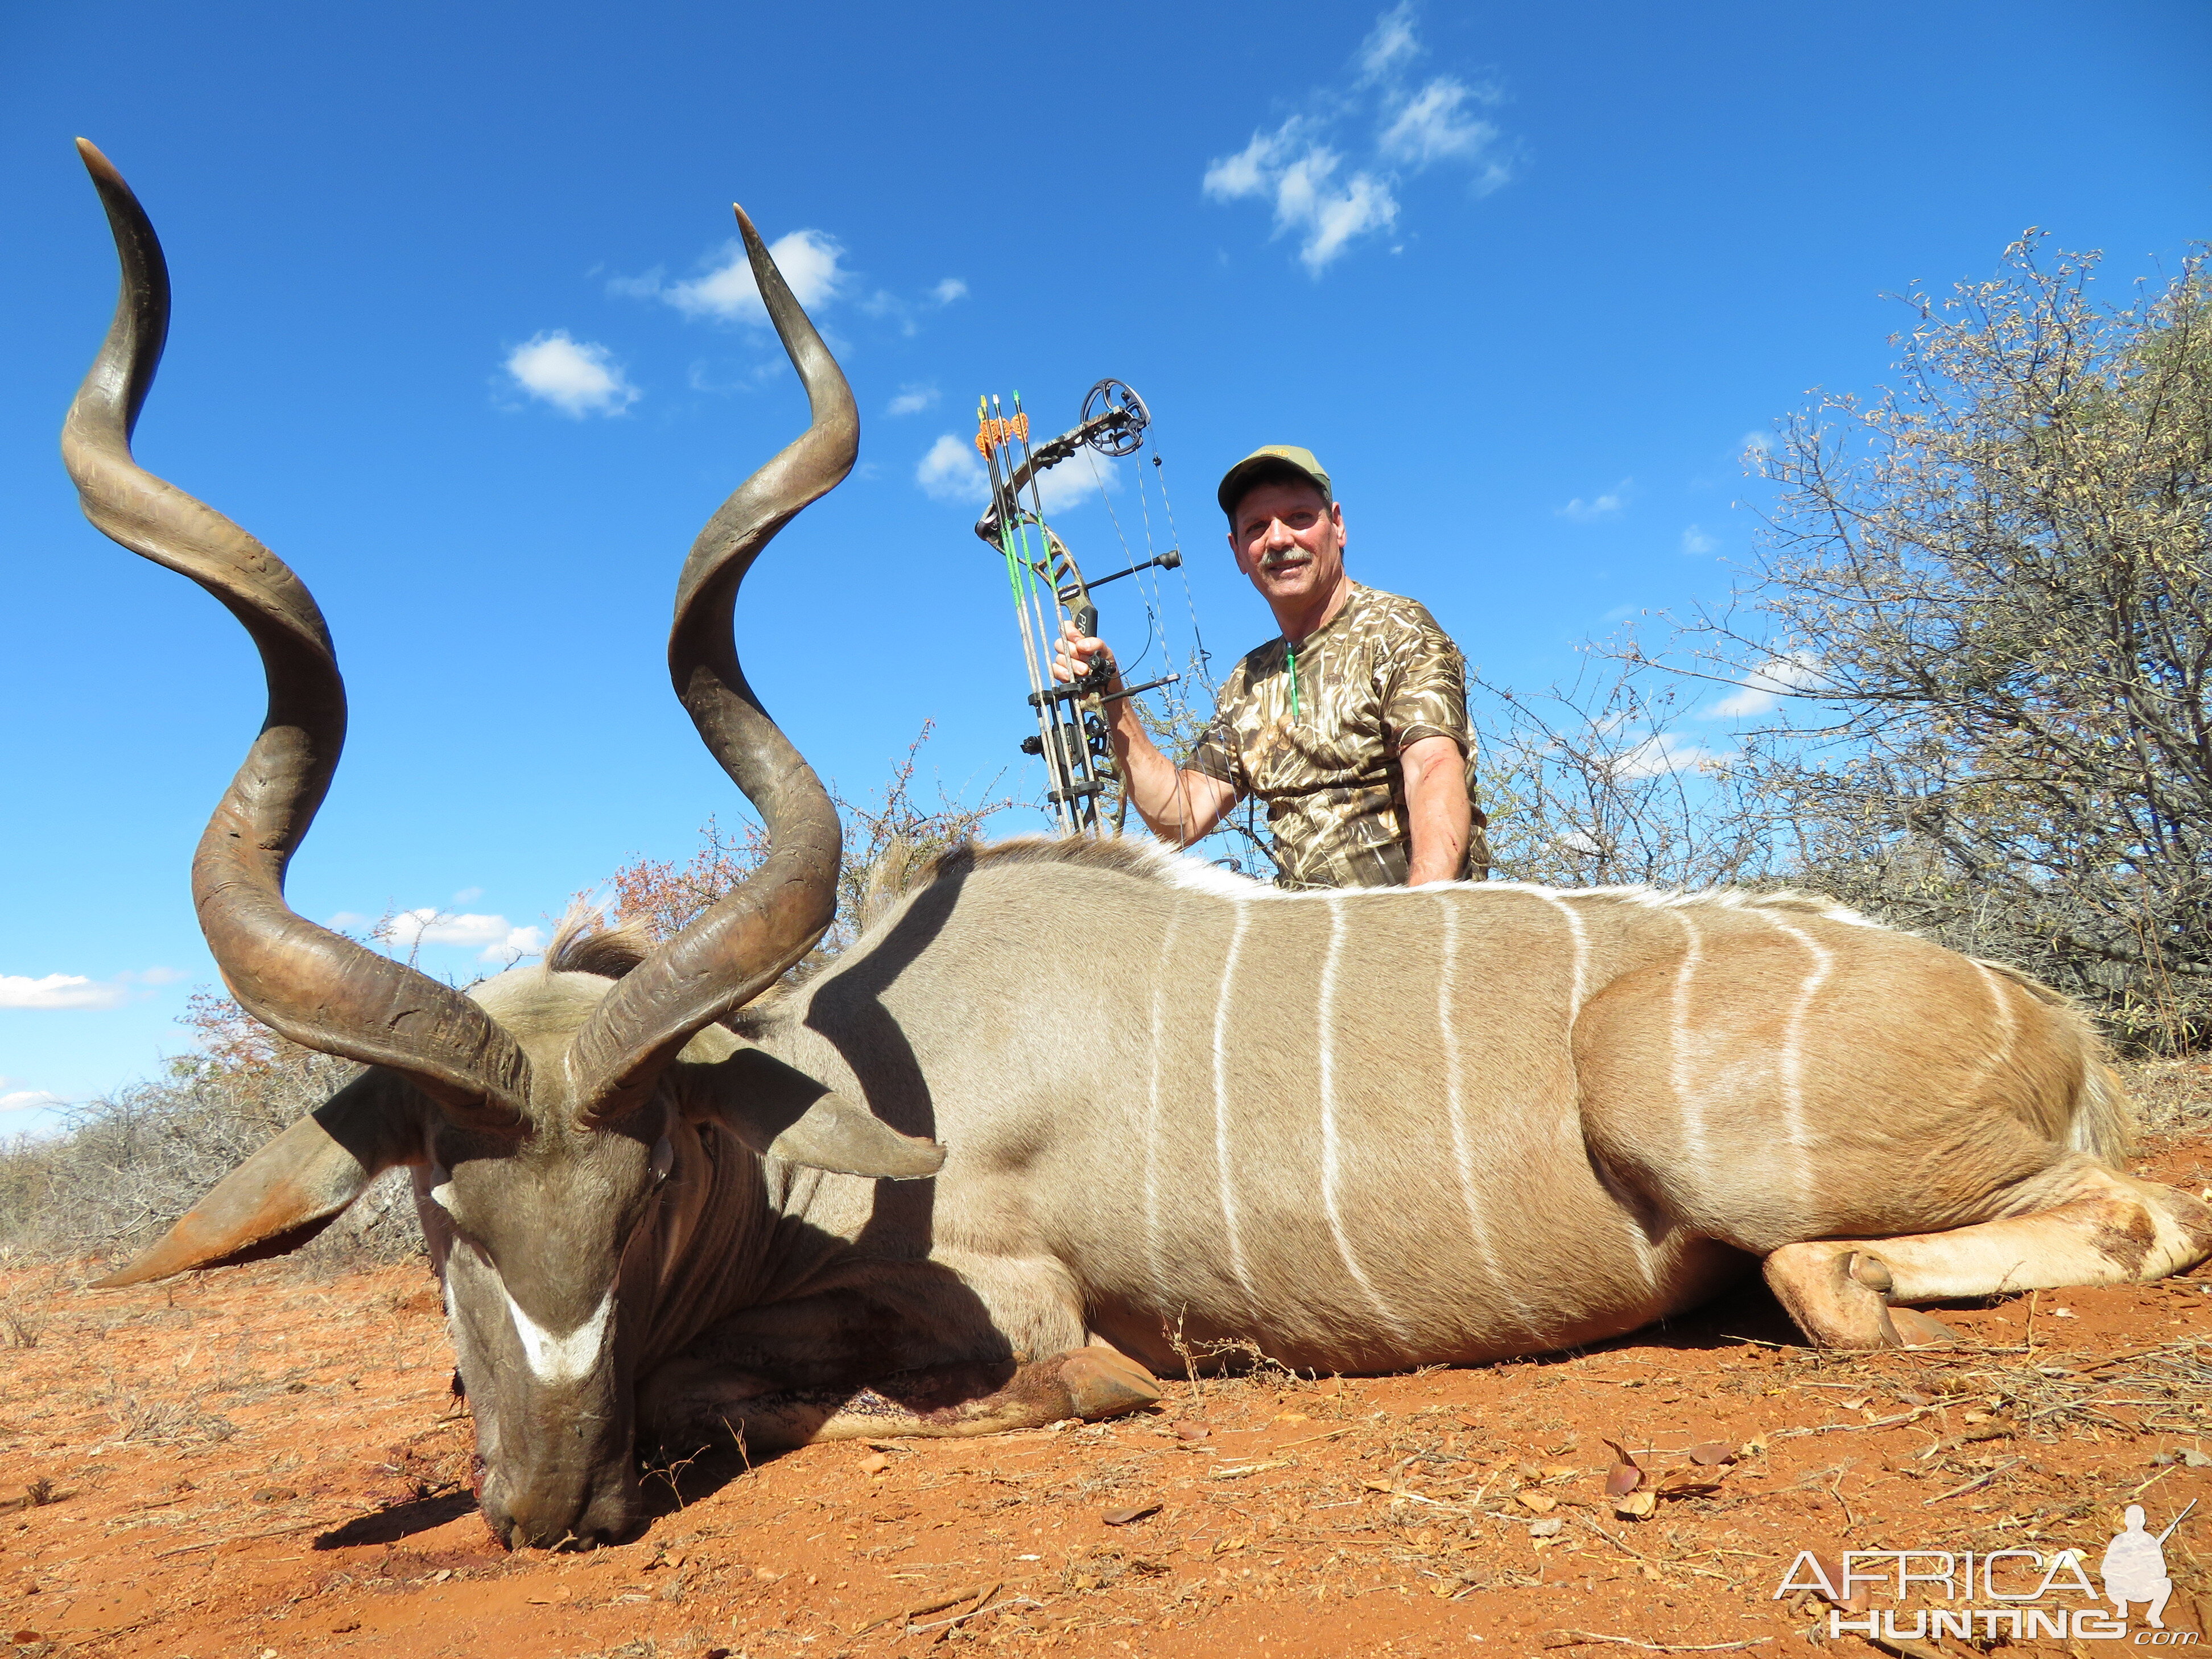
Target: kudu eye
<point>664,1157</point>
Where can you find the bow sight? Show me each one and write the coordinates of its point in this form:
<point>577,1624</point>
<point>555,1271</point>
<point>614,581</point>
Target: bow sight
<point>1049,586</point>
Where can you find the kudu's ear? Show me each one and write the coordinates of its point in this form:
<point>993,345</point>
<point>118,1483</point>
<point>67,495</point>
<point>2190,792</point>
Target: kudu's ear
<point>779,1111</point>
<point>295,1185</point>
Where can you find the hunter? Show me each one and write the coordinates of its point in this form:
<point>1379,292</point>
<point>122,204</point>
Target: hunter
<point>1351,726</point>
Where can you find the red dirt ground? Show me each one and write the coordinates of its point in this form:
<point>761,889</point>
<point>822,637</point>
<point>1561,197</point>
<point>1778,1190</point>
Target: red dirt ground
<point>251,1463</point>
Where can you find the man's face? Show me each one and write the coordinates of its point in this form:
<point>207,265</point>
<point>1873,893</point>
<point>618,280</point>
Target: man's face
<point>1288,540</point>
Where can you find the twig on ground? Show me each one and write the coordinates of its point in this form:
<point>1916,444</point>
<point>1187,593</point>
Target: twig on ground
<point>243,1538</point>
<point>1981,1480</point>
<point>1310,1439</point>
<point>1577,1638</point>
<point>944,1626</point>
<point>918,1610</point>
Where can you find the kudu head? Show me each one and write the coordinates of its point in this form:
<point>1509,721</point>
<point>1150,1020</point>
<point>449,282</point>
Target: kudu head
<point>552,1114</point>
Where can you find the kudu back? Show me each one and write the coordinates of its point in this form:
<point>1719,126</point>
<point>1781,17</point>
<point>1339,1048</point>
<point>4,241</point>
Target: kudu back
<point>1356,1130</point>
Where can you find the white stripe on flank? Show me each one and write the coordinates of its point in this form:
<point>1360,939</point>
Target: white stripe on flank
<point>1162,975</point>
<point>1793,1041</point>
<point>2008,1022</point>
<point>1221,1100</point>
<point>1325,1019</point>
<point>1680,1076</point>
<point>1455,1105</point>
<point>1581,952</point>
<point>556,1360</point>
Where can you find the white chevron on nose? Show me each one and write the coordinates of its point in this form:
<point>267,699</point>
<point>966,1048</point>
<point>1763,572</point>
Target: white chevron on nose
<point>555,1360</point>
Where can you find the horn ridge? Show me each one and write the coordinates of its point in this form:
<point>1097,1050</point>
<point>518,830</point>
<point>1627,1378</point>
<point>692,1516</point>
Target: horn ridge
<point>743,943</point>
<point>316,987</point>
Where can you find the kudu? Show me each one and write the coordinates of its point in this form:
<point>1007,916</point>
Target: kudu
<point>1360,1130</point>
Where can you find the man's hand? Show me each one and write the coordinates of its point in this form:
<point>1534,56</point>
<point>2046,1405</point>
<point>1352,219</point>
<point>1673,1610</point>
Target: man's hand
<point>1075,655</point>
<point>1177,807</point>
<point>1438,813</point>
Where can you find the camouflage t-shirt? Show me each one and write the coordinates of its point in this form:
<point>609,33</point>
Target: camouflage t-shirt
<point>1378,674</point>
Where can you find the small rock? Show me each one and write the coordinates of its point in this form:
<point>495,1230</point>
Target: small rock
<point>874,1463</point>
<point>1192,1431</point>
<point>1130,1516</point>
<point>2196,1459</point>
<point>1542,1502</point>
<point>1550,1528</point>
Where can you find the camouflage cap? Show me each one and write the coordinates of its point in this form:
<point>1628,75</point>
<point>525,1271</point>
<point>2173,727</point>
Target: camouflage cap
<point>1270,457</point>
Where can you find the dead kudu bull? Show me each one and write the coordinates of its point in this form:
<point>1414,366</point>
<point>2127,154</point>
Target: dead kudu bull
<point>1364,1131</point>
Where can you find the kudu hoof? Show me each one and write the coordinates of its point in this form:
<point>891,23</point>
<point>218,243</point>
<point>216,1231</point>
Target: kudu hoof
<point>1839,1297</point>
<point>1101,1382</point>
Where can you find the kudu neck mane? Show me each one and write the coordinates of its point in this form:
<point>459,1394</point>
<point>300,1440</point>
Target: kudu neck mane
<point>1146,860</point>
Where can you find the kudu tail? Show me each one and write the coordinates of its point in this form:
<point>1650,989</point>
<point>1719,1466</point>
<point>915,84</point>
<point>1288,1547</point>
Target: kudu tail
<point>2099,1117</point>
<point>2104,1117</point>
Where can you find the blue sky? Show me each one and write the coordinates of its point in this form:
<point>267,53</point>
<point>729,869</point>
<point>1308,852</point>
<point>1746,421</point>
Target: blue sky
<point>455,335</point>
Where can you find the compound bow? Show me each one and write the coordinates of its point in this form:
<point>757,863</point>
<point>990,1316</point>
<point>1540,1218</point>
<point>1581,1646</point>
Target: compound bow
<point>1049,586</point>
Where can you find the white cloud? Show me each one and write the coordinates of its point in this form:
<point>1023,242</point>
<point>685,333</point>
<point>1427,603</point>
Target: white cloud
<point>575,376</point>
<point>949,290</point>
<point>1606,504</point>
<point>1695,541</point>
<point>1251,171</point>
<point>912,399</point>
<point>499,938</point>
<point>1308,200</point>
<point>952,472</point>
<point>1390,45</point>
<point>1075,483</point>
<point>14,1099</point>
<point>1663,752</point>
<point>1767,684</point>
<point>1300,164</point>
<point>812,262</point>
<point>53,991</point>
<point>1301,176</point>
<point>1433,126</point>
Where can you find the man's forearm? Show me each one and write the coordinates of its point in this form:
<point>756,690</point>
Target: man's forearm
<point>1157,788</point>
<point>1439,816</point>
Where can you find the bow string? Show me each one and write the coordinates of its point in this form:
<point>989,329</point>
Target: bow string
<point>1048,586</point>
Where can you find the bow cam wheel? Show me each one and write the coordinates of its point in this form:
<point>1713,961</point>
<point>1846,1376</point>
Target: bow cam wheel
<point>1121,418</point>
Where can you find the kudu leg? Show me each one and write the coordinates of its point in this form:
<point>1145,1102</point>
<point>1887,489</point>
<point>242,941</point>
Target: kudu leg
<point>2113,1229</point>
<point>943,1402</point>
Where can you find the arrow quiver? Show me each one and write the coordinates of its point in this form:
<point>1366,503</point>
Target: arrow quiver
<point>1050,587</point>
